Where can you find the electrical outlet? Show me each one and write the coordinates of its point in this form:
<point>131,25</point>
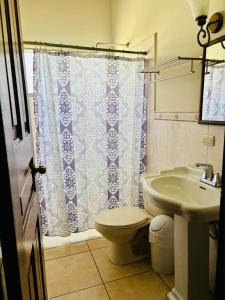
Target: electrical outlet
<point>209,140</point>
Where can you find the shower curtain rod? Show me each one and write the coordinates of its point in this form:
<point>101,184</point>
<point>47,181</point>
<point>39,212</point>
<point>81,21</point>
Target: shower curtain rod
<point>83,48</point>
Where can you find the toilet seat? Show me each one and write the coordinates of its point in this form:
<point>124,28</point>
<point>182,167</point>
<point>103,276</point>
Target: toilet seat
<point>122,217</point>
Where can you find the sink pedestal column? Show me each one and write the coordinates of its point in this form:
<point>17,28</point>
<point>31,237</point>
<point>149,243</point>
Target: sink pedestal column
<point>191,242</point>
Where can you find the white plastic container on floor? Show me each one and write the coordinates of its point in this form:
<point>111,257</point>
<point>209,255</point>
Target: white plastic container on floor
<point>161,237</point>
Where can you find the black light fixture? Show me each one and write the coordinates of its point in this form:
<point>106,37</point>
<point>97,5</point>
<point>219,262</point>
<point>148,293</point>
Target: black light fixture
<point>199,10</point>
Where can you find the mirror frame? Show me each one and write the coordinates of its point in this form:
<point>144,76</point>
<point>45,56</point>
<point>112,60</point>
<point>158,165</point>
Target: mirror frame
<point>200,121</point>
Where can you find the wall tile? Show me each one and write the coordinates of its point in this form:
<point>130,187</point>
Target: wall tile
<point>215,154</point>
<point>175,143</point>
<point>194,149</point>
<point>158,146</point>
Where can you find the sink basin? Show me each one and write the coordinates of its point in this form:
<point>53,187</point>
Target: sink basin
<point>181,195</point>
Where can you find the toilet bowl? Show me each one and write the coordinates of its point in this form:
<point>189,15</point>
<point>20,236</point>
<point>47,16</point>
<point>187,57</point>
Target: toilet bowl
<point>120,226</point>
<point>123,227</point>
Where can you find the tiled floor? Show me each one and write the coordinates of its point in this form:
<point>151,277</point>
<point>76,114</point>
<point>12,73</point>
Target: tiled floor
<point>82,271</point>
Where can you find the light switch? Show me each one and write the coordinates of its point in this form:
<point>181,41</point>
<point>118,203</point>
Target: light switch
<point>209,140</point>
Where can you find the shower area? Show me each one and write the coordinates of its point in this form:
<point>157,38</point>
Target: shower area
<point>89,120</point>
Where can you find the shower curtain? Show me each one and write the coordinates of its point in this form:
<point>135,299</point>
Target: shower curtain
<point>90,117</point>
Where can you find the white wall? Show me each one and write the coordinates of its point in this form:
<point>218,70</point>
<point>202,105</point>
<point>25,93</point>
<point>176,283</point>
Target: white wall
<point>137,20</point>
<point>134,20</point>
<point>83,22</point>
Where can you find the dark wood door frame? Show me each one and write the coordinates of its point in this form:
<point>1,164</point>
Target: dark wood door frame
<point>8,239</point>
<point>20,231</point>
<point>220,267</point>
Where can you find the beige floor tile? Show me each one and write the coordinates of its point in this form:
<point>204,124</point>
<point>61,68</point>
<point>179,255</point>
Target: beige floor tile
<point>145,286</point>
<point>94,293</point>
<point>65,250</point>
<point>71,273</point>
<point>98,243</point>
<point>111,272</point>
<point>169,279</point>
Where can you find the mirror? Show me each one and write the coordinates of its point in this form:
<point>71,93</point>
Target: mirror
<point>212,102</point>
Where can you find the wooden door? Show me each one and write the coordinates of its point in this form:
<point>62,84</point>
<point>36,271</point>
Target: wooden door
<point>20,231</point>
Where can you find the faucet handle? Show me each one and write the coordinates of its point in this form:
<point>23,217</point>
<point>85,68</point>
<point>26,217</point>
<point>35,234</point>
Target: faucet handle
<point>207,174</point>
<point>204,175</point>
<point>208,171</point>
<point>217,180</point>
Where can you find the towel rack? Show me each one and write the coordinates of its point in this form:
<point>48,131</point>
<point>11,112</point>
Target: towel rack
<point>174,63</point>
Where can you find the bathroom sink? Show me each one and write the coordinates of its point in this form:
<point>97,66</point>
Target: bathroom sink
<point>193,204</point>
<point>184,196</point>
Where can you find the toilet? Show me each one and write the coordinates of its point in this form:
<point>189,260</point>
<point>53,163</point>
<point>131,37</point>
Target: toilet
<point>120,226</point>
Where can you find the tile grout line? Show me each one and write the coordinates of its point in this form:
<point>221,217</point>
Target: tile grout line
<point>99,272</point>
<point>164,281</point>
<point>84,241</point>
<point>128,276</point>
<point>106,290</point>
<point>103,283</point>
<point>97,248</point>
<point>46,260</point>
<point>87,288</point>
<point>89,249</point>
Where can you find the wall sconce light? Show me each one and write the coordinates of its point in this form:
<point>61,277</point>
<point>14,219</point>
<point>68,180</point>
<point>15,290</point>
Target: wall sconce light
<point>199,10</point>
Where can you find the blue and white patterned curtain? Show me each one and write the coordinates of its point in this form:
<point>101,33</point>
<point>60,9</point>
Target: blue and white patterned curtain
<point>90,116</point>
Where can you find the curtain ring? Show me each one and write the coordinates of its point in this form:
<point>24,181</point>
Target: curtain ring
<point>60,50</point>
<point>36,46</point>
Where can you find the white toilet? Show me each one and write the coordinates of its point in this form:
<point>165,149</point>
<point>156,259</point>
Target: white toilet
<point>120,226</point>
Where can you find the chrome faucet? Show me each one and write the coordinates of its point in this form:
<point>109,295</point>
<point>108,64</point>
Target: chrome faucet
<point>208,177</point>
<point>208,170</point>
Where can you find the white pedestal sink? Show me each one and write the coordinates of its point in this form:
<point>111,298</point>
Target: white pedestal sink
<point>194,205</point>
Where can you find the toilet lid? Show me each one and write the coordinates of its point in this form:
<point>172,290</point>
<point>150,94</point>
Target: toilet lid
<point>121,217</point>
